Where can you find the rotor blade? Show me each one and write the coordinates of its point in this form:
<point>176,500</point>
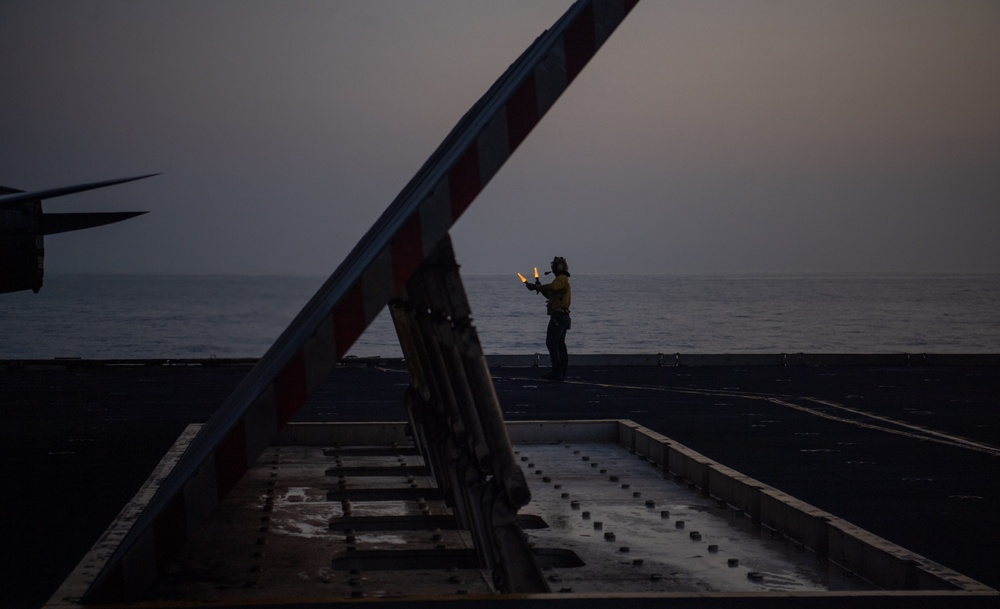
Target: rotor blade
<point>61,223</point>
<point>65,190</point>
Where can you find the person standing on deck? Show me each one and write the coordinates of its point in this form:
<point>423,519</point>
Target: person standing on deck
<point>558,295</point>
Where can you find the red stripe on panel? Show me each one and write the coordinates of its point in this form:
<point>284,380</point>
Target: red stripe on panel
<point>580,43</point>
<point>170,531</point>
<point>464,182</point>
<point>290,388</point>
<point>522,112</point>
<point>407,251</point>
<point>349,319</point>
<point>231,459</point>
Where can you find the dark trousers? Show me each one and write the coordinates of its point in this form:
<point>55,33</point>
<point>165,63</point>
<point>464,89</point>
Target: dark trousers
<point>555,340</point>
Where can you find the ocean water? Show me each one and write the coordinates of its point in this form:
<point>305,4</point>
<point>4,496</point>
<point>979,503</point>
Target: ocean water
<point>155,316</point>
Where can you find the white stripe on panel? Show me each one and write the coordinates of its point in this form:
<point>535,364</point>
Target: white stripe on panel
<point>550,77</point>
<point>201,494</point>
<point>320,354</point>
<point>607,17</point>
<point>493,146</point>
<point>376,284</point>
<point>435,216</point>
<point>260,424</point>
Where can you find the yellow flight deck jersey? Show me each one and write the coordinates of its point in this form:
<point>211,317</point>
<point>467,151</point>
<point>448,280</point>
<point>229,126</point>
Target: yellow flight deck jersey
<point>558,292</point>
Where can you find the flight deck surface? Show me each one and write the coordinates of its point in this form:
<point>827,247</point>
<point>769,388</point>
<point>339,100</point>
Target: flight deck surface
<point>921,475</point>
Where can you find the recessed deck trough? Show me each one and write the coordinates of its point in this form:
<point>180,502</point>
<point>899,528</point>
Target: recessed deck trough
<point>349,511</point>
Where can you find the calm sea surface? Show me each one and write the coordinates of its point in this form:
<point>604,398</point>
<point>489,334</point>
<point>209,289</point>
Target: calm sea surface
<point>152,316</point>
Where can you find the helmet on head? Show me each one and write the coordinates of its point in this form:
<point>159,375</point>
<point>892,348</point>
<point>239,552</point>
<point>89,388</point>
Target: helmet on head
<point>560,266</point>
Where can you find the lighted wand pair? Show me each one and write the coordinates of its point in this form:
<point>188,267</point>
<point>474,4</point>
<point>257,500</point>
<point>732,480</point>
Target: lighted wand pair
<point>524,280</point>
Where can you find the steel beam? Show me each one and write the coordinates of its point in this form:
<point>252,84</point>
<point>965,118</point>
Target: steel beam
<point>460,409</point>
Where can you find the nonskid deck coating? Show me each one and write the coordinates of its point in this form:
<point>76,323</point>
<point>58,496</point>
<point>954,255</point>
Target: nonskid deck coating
<point>610,523</point>
<point>639,532</point>
<point>93,430</point>
<point>275,536</point>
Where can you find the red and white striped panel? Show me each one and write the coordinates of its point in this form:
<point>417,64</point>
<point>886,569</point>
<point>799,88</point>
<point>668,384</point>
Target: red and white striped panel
<point>280,383</point>
<point>475,166</point>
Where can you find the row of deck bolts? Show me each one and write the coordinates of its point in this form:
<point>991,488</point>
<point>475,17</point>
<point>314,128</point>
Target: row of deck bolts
<point>355,579</point>
<point>354,576</point>
<point>664,514</point>
<point>265,521</point>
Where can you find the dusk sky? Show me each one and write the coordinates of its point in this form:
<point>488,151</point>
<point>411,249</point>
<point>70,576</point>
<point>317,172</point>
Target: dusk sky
<point>705,137</point>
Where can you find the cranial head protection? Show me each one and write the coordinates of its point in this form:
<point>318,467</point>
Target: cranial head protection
<point>560,266</point>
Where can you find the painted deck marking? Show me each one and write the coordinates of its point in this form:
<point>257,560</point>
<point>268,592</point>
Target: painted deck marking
<point>909,430</point>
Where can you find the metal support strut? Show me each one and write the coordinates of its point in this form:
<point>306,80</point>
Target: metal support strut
<point>457,422</point>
